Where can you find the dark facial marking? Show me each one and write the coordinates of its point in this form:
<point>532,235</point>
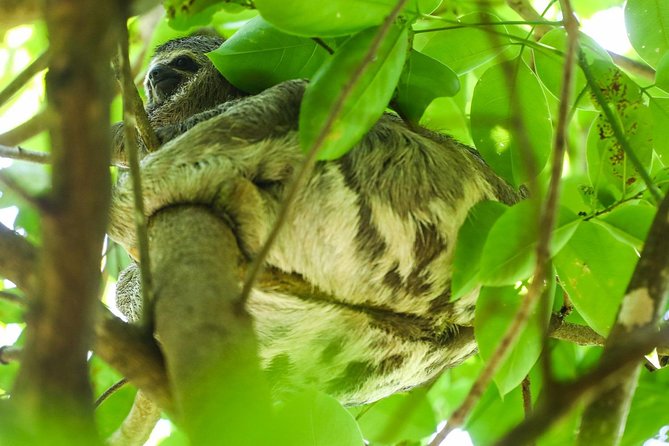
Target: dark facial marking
<point>184,63</point>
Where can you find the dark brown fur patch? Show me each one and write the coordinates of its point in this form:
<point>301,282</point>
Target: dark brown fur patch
<point>390,363</point>
<point>278,368</point>
<point>334,347</point>
<point>355,375</point>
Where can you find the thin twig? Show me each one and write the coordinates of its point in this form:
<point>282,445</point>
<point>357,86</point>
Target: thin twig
<point>310,160</point>
<point>24,76</point>
<point>524,9</point>
<point>110,391</point>
<point>18,153</point>
<point>546,224</point>
<point>129,122</point>
<point>33,126</point>
<point>527,396</point>
<point>16,188</point>
<point>132,100</point>
<point>13,298</point>
<point>9,354</point>
<point>616,128</point>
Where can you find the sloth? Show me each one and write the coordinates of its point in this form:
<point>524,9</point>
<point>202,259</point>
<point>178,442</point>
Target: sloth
<point>375,230</point>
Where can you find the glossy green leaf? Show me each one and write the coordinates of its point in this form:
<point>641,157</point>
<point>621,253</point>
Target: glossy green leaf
<point>468,249</point>
<point>662,73</point>
<point>11,312</point>
<point>509,253</point>
<point>550,66</point>
<point>399,418</point>
<point>259,56</point>
<point>312,418</point>
<point>607,161</point>
<point>508,99</point>
<point>594,268</point>
<point>495,310</point>
<point>112,411</point>
<point>335,18</point>
<point>423,79</point>
<point>462,49</point>
<point>186,14</point>
<point>629,223</point>
<point>493,416</point>
<point>367,98</point>
<point>647,23</point>
<point>647,414</point>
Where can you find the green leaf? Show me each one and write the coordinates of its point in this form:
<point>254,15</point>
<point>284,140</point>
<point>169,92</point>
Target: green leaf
<point>608,163</point>
<point>463,49</point>
<point>495,310</point>
<point>259,56</point>
<point>662,73</point>
<point>508,94</point>
<point>112,411</point>
<point>10,312</point>
<point>423,79</point>
<point>550,66</point>
<point>469,246</point>
<point>186,14</point>
<point>648,412</point>
<point>493,416</point>
<point>629,223</point>
<point>313,418</point>
<point>399,418</point>
<point>509,253</point>
<point>367,99</point>
<point>647,23</point>
<point>325,19</point>
<point>594,268</point>
<point>334,17</point>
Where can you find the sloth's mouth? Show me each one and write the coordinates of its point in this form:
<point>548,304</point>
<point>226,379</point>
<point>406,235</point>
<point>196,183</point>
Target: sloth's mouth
<point>166,86</point>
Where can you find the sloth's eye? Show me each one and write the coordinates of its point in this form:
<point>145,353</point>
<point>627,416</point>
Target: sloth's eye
<point>185,63</point>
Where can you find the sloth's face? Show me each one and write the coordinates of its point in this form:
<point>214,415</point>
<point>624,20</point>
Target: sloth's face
<point>164,77</point>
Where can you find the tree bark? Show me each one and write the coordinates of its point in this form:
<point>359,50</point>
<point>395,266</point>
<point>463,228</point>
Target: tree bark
<point>52,394</point>
<point>206,337</point>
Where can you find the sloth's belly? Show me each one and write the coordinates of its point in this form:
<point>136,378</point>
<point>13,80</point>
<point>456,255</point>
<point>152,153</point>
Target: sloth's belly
<point>356,354</point>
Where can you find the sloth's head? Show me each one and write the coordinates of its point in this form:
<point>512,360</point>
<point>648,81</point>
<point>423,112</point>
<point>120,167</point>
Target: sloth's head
<point>182,81</point>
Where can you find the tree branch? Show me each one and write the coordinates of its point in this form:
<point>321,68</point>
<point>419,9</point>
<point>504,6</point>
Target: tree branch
<point>52,392</point>
<point>208,340</point>
<point>33,126</point>
<point>19,153</point>
<point>24,76</point>
<point>21,266</point>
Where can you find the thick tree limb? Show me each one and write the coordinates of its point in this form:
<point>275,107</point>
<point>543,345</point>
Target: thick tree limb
<point>206,337</point>
<point>52,392</point>
<point>129,350</point>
